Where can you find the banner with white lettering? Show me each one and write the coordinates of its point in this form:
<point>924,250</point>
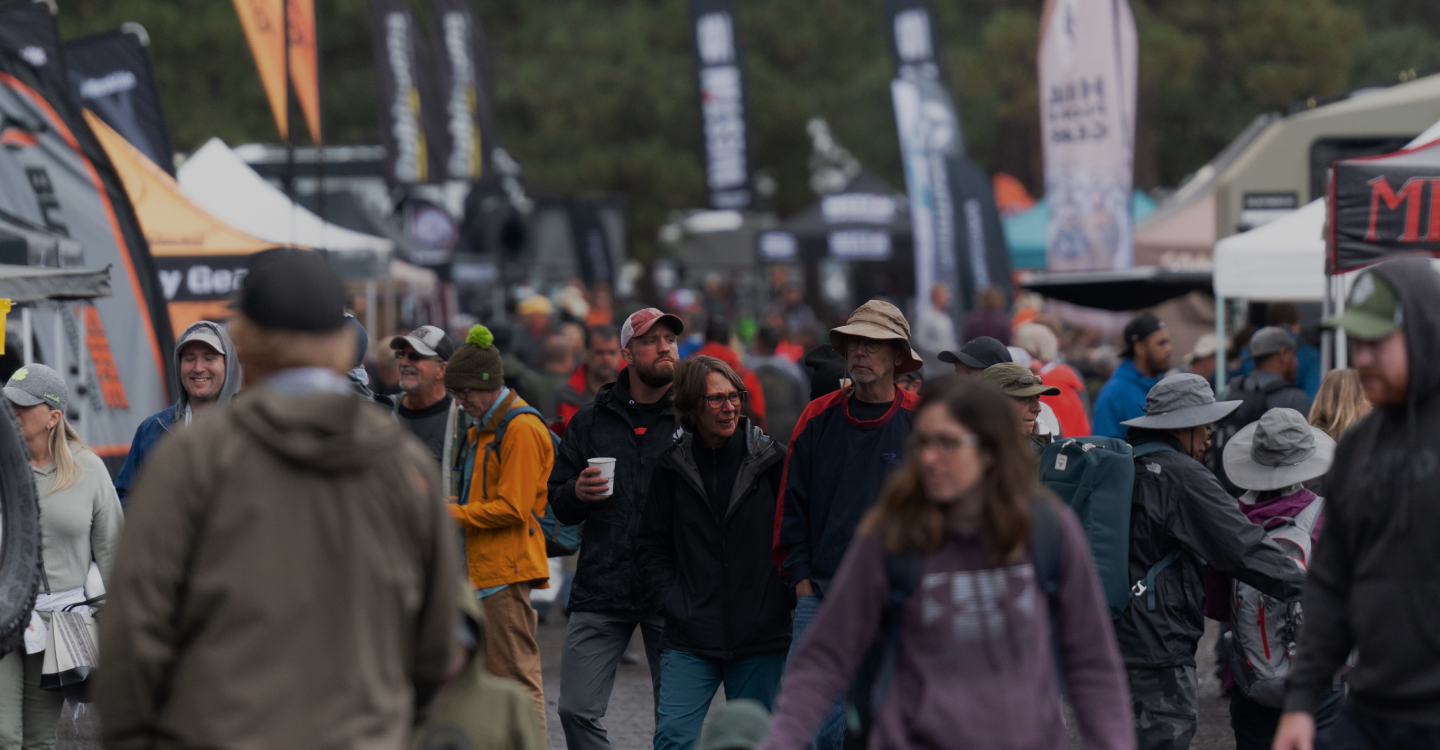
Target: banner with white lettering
<point>407,133</point>
<point>112,76</point>
<point>929,138</point>
<point>914,38</point>
<point>466,92</point>
<point>1384,206</point>
<point>722,103</point>
<point>1088,60</point>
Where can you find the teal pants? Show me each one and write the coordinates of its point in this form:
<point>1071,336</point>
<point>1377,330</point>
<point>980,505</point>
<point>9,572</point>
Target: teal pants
<point>688,684</point>
<point>29,716</point>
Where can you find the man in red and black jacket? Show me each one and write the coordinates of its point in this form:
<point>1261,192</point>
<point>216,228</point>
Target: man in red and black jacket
<point>843,447</point>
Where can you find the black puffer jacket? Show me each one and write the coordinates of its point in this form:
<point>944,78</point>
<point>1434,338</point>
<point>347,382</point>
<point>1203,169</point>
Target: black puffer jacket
<point>607,578</point>
<point>722,596</point>
<point>1177,502</point>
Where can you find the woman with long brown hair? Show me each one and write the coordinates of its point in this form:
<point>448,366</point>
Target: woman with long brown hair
<point>972,657</point>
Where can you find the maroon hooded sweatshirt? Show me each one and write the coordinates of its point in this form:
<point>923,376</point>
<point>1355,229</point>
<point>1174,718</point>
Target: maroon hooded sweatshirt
<point>976,666</point>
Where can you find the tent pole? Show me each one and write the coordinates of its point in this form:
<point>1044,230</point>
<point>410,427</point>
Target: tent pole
<point>81,413</point>
<point>1219,343</point>
<point>27,347</point>
<point>1327,338</point>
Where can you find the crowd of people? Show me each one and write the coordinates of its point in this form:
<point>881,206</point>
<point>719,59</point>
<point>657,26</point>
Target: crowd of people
<point>861,556</point>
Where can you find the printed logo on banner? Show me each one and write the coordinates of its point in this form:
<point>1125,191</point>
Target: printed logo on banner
<point>35,55</point>
<point>778,246</point>
<point>724,125</point>
<point>115,83</point>
<point>859,244</point>
<point>411,164</point>
<point>912,36</point>
<point>715,36</point>
<point>464,133</point>
<point>858,208</point>
<point>192,279</point>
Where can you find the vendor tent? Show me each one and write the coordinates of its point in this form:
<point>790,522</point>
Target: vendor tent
<point>1283,260</point>
<point>223,184</point>
<point>201,260</point>
<point>1286,166</point>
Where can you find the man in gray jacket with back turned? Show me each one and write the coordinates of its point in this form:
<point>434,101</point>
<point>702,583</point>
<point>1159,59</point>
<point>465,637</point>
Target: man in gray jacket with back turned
<point>1374,584</point>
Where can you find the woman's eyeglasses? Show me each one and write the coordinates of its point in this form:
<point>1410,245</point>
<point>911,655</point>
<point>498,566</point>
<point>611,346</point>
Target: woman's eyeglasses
<point>717,400</point>
<point>945,443</point>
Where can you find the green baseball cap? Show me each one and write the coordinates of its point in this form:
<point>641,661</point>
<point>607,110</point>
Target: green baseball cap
<point>1017,381</point>
<point>1372,312</point>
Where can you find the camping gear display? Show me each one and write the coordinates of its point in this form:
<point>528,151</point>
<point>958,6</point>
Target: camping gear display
<point>55,176</point>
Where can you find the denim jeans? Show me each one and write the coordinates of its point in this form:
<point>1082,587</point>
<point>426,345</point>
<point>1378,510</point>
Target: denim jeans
<point>688,684</point>
<point>1255,724</point>
<point>831,734</point>
<point>1358,730</point>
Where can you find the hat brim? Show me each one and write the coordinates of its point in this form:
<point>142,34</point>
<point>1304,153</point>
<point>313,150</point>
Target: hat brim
<point>911,363</point>
<point>1033,390</point>
<point>1190,416</point>
<point>1361,325</point>
<point>676,324</point>
<point>416,344</point>
<point>963,359</point>
<point>1245,473</point>
<point>21,398</point>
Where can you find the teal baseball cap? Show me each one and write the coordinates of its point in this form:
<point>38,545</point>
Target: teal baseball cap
<point>37,384</point>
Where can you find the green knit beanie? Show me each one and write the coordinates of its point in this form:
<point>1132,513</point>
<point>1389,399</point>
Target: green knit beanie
<point>476,364</point>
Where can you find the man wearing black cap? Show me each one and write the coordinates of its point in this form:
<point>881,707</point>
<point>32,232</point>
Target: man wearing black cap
<point>1146,358</point>
<point>1276,367</point>
<point>298,526</point>
<point>978,355</point>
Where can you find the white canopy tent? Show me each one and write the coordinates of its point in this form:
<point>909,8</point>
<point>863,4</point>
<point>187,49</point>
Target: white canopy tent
<point>1283,260</point>
<point>223,184</point>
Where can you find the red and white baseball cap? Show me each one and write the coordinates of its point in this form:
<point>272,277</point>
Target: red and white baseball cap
<point>641,321</point>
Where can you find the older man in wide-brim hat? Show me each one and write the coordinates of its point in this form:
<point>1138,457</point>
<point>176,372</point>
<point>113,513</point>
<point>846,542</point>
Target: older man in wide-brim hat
<point>1180,519</point>
<point>843,448</point>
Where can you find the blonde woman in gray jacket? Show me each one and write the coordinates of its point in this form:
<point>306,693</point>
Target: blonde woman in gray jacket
<point>80,520</point>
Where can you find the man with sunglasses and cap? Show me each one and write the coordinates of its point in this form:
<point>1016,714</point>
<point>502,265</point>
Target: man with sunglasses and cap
<point>844,446</point>
<point>1180,519</point>
<point>424,407</point>
<point>1024,389</point>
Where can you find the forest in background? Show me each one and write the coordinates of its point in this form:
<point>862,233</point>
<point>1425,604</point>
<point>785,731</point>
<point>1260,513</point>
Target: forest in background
<point>599,96</point>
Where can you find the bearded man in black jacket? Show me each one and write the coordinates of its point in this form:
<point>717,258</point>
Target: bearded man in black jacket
<point>1374,583</point>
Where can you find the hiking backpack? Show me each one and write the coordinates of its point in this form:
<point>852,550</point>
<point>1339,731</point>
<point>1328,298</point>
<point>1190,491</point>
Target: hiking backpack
<point>1261,642</point>
<point>871,682</point>
<point>560,539</point>
<point>1095,476</point>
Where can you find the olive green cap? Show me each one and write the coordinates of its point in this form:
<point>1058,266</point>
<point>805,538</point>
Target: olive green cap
<point>1372,312</point>
<point>1016,380</point>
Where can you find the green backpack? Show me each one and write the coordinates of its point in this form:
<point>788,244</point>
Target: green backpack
<point>1095,476</point>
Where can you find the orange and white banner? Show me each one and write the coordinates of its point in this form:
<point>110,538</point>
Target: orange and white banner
<point>265,26</point>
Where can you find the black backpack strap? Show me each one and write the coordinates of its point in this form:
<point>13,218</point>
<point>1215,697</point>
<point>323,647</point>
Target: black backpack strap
<point>872,679</point>
<point>1045,549</point>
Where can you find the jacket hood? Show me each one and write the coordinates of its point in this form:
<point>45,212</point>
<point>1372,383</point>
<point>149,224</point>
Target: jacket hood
<point>233,374</point>
<point>1418,287</point>
<point>761,451</point>
<point>327,432</point>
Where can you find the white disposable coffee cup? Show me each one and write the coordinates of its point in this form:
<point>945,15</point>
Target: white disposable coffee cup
<point>607,472</point>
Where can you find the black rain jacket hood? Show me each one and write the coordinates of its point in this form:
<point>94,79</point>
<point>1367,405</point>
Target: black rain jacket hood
<point>1373,583</point>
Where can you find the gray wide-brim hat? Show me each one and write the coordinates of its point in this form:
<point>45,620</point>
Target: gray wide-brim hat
<point>1279,450</point>
<point>1181,401</point>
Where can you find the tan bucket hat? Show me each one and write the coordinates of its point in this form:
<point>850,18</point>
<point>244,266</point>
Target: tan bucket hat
<point>881,321</point>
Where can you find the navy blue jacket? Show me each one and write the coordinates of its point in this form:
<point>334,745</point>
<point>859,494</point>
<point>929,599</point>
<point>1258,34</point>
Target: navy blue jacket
<point>147,435</point>
<point>833,474</point>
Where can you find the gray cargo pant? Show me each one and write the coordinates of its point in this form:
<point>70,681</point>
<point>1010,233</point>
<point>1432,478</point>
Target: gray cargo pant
<point>594,643</point>
<point>1165,706</point>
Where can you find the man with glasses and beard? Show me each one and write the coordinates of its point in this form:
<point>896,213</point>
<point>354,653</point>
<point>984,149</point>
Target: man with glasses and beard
<point>632,422</point>
<point>424,407</point>
<point>845,445</point>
